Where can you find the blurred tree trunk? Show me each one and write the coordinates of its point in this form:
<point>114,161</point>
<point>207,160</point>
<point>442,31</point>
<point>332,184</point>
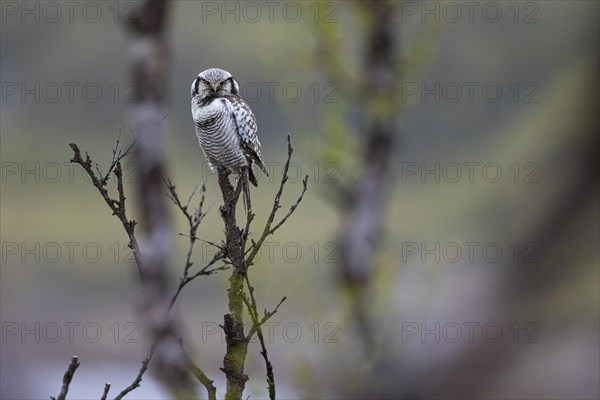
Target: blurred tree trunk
<point>360,235</point>
<point>149,66</point>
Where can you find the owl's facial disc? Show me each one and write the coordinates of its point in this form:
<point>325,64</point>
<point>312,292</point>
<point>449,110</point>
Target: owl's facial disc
<point>214,82</point>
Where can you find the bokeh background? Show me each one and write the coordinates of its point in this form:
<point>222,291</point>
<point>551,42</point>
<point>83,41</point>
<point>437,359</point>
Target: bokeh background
<point>484,284</point>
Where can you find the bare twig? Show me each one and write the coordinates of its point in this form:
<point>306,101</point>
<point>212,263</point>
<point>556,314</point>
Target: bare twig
<point>138,378</point>
<point>194,221</point>
<point>269,229</point>
<point>206,270</point>
<point>293,207</point>
<point>195,218</point>
<point>105,392</point>
<point>118,155</point>
<point>200,375</point>
<point>116,206</point>
<point>257,328</point>
<point>246,231</point>
<point>67,377</point>
<point>256,323</point>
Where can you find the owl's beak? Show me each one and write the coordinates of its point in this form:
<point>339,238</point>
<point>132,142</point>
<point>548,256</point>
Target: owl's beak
<point>215,87</point>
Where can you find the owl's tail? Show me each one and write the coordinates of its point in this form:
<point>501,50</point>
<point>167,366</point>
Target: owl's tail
<point>247,175</point>
<point>255,158</point>
<point>261,164</point>
<point>251,175</point>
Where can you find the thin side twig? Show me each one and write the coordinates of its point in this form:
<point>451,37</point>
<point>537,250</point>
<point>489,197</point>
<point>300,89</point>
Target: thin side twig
<point>269,229</point>
<point>116,206</point>
<point>105,392</point>
<point>206,270</point>
<point>138,378</point>
<point>67,377</point>
<point>118,155</point>
<point>194,219</point>
<point>267,315</point>
<point>257,328</point>
<point>246,231</point>
<point>200,375</point>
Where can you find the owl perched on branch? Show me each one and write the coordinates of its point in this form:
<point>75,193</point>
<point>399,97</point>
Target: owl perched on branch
<point>225,125</point>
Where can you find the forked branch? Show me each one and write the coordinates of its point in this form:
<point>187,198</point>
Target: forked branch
<point>117,206</point>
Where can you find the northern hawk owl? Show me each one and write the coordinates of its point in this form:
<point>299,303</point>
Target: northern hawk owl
<point>225,125</point>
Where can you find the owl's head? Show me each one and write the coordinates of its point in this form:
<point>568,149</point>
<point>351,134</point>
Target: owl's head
<point>214,82</point>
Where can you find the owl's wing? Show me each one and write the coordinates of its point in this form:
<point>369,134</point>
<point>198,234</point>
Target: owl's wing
<point>246,129</point>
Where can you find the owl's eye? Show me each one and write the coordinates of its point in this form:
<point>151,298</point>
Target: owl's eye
<point>224,83</point>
